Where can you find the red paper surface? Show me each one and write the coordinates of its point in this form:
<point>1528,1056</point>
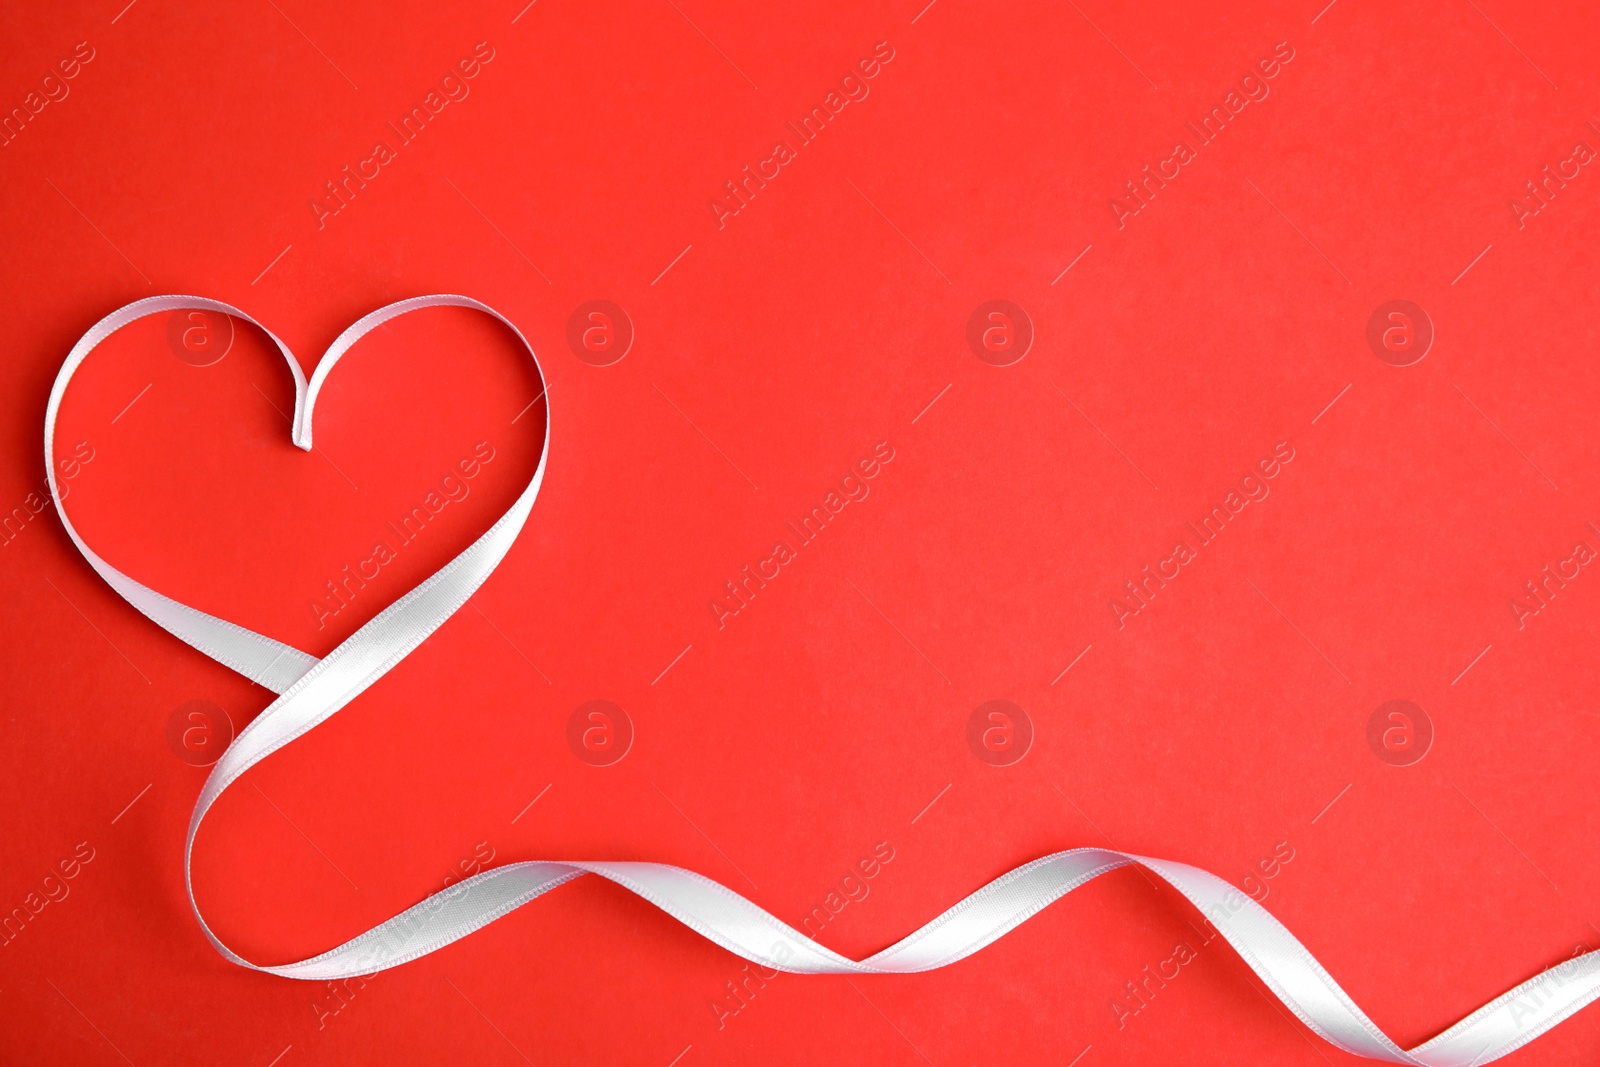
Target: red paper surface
<point>1175,353</point>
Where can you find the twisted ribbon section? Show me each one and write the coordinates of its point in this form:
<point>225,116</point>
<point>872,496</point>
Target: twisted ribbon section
<point>312,690</point>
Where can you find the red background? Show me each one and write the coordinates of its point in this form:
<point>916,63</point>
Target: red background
<point>770,355</point>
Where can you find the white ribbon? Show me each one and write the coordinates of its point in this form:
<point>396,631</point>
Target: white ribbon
<point>312,690</point>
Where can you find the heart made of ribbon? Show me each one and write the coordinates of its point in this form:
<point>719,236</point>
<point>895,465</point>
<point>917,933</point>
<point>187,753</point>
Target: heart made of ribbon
<point>311,690</point>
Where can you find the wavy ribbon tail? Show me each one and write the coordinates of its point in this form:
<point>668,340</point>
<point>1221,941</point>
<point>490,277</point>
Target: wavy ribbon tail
<point>743,928</point>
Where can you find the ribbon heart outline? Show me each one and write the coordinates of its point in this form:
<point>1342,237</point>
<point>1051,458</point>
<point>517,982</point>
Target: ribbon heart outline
<point>312,690</point>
